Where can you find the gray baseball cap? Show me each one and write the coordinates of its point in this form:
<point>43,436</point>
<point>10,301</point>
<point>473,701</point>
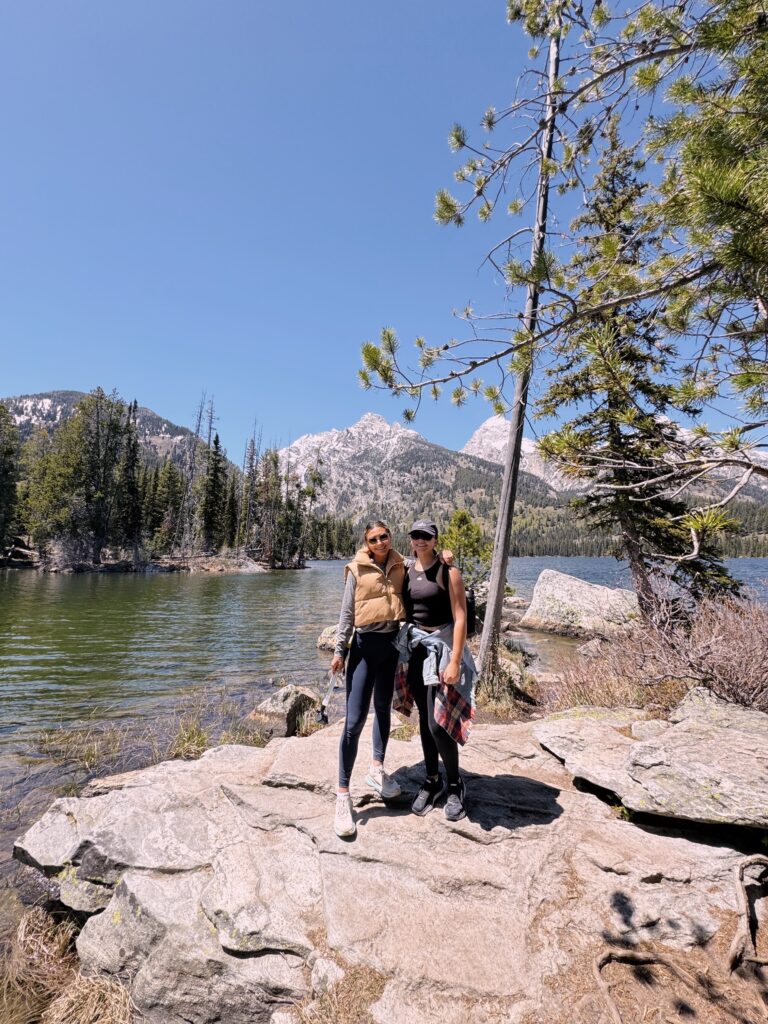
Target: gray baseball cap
<point>424,526</point>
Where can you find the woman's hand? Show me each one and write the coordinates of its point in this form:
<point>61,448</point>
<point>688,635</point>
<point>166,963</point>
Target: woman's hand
<point>452,673</point>
<point>337,664</point>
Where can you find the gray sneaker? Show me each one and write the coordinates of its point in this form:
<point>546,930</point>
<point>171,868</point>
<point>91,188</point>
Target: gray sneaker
<point>454,803</point>
<point>381,783</point>
<point>344,820</point>
<point>430,792</point>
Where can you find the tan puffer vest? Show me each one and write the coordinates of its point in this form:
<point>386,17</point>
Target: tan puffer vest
<point>378,592</point>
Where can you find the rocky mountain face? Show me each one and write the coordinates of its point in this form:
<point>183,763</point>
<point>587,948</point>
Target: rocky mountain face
<point>50,409</point>
<point>489,442</point>
<point>378,468</point>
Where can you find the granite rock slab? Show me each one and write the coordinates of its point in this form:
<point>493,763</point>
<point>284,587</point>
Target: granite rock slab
<point>222,885</point>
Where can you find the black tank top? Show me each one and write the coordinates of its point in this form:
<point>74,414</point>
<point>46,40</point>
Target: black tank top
<point>427,603</point>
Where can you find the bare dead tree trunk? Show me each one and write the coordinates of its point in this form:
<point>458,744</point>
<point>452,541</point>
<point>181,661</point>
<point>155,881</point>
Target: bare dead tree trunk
<point>488,644</point>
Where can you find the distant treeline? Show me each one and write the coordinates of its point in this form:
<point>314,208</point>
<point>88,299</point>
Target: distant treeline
<point>88,490</point>
<point>558,530</point>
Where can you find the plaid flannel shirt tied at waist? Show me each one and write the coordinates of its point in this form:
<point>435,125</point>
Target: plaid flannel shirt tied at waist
<point>454,705</point>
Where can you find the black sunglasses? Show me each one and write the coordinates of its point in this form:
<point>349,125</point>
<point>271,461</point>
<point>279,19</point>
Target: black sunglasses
<point>421,536</point>
<point>378,540</point>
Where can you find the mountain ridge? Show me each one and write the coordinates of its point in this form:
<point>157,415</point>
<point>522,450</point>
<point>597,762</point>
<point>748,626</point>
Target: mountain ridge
<point>49,409</point>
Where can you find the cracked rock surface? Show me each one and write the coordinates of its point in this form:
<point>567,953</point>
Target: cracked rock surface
<point>709,765</point>
<point>218,890</point>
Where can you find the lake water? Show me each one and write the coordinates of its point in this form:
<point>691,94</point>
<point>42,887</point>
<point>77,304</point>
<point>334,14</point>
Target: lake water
<point>110,646</point>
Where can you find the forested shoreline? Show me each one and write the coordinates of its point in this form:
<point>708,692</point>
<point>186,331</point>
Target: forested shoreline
<point>88,495</point>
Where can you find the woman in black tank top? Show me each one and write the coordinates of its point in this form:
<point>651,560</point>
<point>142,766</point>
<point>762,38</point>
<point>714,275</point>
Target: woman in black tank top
<point>434,597</point>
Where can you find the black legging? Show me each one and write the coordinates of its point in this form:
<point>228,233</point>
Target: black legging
<point>434,739</point>
<point>370,671</point>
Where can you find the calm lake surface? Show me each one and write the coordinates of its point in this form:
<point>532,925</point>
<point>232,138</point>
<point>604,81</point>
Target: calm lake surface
<point>115,646</point>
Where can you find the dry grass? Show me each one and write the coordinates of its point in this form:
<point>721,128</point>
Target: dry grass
<point>723,646</point>
<point>199,722</point>
<point>191,740</point>
<point>348,1002</point>
<point>505,693</point>
<point>40,982</point>
<point>406,728</point>
<point>38,964</point>
<point>614,680</point>
<point>90,1001</point>
<point>89,747</point>
<point>243,734</point>
<point>307,723</point>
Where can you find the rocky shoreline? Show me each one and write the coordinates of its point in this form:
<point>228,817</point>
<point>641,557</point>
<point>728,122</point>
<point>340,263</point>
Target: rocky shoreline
<point>217,889</point>
<point>611,867</point>
<point>22,556</point>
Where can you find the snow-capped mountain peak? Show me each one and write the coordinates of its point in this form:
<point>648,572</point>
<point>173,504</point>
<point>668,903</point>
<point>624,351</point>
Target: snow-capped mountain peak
<point>489,442</point>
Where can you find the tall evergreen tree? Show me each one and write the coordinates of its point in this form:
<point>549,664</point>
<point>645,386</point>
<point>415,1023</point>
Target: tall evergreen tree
<point>611,372</point>
<point>471,551</point>
<point>9,473</point>
<point>151,516</point>
<point>214,496</point>
<point>129,504</point>
<point>74,483</point>
<point>168,507</point>
<point>229,530</point>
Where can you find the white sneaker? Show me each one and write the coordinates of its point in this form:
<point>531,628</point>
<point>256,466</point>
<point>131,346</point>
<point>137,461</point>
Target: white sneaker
<point>381,783</point>
<point>344,820</point>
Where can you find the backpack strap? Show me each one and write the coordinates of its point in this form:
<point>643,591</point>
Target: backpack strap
<point>445,576</point>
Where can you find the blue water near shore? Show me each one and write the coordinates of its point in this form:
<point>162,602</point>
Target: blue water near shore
<point>117,646</point>
<point>523,572</point>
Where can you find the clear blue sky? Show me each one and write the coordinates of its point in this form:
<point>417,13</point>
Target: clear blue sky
<point>232,196</point>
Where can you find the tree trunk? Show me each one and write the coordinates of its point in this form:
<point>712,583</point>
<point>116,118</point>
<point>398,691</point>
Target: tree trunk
<point>646,596</point>
<point>488,644</point>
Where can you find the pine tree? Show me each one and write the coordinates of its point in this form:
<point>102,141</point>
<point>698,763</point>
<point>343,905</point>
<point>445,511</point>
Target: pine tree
<point>129,504</point>
<point>73,482</point>
<point>230,513</point>
<point>613,371</point>
<point>9,474</point>
<point>471,552</point>
<point>716,189</point>
<point>213,498</point>
<point>168,507</point>
<point>151,515</point>
<point>600,61</point>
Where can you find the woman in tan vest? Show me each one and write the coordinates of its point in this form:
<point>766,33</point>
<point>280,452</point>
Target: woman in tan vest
<point>371,611</point>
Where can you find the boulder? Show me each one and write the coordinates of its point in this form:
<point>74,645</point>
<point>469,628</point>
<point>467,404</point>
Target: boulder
<point>228,897</point>
<point>281,713</point>
<point>327,639</point>
<point>569,606</point>
<point>708,765</point>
